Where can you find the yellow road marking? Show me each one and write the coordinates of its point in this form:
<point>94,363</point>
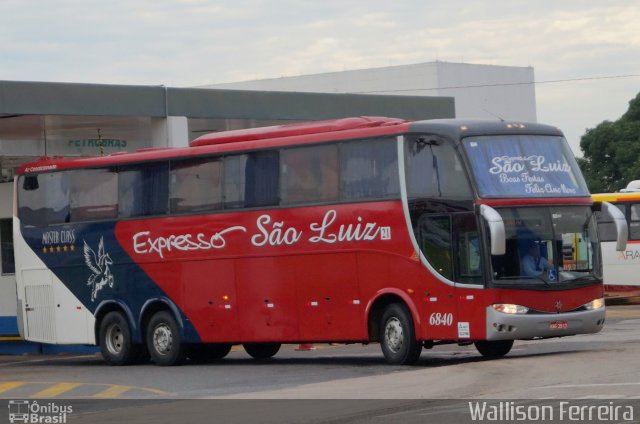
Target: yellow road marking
<point>5,387</point>
<point>59,388</point>
<point>112,391</point>
<point>55,390</point>
<point>36,359</point>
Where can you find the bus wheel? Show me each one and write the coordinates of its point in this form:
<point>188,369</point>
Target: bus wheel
<point>209,352</point>
<point>495,348</point>
<point>163,339</point>
<point>261,350</point>
<point>397,336</point>
<point>115,340</point>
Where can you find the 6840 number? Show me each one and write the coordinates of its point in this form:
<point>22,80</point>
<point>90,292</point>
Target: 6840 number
<point>438,318</point>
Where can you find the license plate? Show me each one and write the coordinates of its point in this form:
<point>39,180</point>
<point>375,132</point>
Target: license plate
<point>558,325</point>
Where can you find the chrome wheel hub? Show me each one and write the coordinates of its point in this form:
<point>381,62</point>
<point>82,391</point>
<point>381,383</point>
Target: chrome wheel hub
<point>114,339</point>
<point>394,335</point>
<point>162,339</point>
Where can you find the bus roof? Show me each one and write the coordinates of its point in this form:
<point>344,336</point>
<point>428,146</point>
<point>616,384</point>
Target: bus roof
<point>458,128</point>
<point>290,130</point>
<point>236,141</point>
<point>291,134</point>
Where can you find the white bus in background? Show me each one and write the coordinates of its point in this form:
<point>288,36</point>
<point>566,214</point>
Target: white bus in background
<point>621,269</point>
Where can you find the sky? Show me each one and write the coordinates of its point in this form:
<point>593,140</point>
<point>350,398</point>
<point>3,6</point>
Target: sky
<point>585,53</point>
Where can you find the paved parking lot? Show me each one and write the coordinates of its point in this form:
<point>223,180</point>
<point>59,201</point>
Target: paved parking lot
<point>562,366</point>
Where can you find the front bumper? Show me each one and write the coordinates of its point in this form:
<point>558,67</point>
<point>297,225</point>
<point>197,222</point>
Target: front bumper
<point>501,326</point>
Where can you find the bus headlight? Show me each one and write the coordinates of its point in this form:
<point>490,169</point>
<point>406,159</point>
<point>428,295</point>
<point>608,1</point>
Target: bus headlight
<point>594,304</point>
<point>508,308</point>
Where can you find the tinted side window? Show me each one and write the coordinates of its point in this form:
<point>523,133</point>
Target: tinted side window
<point>467,249</point>
<point>369,169</point>
<point>434,170</point>
<point>143,190</point>
<point>433,234</point>
<point>6,246</point>
<point>261,179</point>
<point>606,227</point>
<point>634,222</point>
<point>234,181</point>
<point>195,185</point>
<point>43,199</point>
<point>251,180</point>
<point>309,174</point>
<point>94,194</point>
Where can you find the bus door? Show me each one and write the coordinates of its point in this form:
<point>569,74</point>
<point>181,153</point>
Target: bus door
<point>53,314</point>
<point>38,304</point>
<point>469,276</point>
<point>434,237</point>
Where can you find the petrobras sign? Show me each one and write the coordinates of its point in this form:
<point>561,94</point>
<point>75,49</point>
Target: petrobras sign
<point>73,146</point>
<point>97,143</point>
<point>94,146</point>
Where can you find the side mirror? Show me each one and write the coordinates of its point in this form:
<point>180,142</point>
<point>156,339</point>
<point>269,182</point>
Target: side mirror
<point>620,222</point>
<point>496,229</point>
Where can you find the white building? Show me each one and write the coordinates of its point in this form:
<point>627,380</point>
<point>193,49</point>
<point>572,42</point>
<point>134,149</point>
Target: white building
<point>480,91</point>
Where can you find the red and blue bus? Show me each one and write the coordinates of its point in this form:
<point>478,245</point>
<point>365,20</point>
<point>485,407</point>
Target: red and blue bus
<point>357,230</point>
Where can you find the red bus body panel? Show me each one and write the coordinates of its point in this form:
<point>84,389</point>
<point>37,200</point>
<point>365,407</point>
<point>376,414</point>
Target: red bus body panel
<point>255,275</point>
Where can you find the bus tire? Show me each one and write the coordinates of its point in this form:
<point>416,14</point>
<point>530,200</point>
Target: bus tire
<point>493,348</point>
<point>116,343</point>
<point>398,336</point>
<point>209,351</point>
<point>261,350</point>
<point>163,339</point>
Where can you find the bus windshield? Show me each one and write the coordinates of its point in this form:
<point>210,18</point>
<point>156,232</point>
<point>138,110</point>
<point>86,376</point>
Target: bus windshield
<point>548,246</point>
<point>524,166</point>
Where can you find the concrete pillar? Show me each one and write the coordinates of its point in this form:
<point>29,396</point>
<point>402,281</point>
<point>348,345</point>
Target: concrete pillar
<point>172,131</point>
<point>7,281</point>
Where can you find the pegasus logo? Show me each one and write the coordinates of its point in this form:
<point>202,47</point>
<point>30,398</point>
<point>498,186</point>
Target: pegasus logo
<point>99,266</point>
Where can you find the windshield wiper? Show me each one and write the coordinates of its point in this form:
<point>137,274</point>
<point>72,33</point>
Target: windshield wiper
<point>535,278</point>
<point>583,279</point>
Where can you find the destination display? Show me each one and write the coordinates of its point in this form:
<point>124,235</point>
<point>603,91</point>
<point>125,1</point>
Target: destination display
<point>524,166</point>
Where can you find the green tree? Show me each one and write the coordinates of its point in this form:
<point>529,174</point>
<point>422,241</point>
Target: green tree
<point>612,152</point>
